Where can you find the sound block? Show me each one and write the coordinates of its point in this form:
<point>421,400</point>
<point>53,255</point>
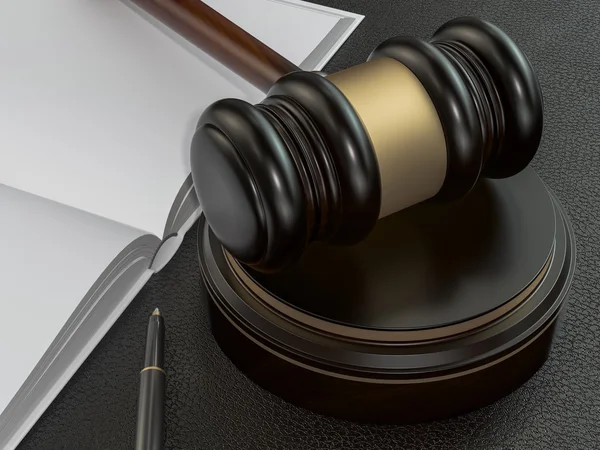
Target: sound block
<point>443,309</point>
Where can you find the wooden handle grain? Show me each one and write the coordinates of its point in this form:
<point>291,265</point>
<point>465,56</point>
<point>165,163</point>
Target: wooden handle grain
<point>221,39</point>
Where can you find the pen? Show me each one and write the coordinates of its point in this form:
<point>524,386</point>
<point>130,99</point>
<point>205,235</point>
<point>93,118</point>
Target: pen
<point>150,424</point>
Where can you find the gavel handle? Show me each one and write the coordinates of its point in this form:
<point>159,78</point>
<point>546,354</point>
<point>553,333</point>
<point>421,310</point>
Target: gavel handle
<point>221,39</point>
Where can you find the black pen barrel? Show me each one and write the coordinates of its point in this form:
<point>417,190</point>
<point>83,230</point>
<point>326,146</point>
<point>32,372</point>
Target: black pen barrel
<point>150,423</point>
<point>150,427</point>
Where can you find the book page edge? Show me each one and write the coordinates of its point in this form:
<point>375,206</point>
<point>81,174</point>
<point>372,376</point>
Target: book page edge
<point>136,256</point>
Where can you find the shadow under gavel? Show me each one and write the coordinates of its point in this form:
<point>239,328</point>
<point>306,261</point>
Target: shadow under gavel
<point>323,157</point>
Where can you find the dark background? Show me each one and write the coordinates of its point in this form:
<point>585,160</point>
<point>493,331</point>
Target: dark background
<point>211,405</point>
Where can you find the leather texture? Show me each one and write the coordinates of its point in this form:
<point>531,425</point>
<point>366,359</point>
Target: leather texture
<point>211,405</point>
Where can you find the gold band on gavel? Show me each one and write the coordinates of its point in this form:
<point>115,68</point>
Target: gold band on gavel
<point>404,128</point>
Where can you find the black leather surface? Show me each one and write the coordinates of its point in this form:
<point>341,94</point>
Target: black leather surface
<point>212,406</point>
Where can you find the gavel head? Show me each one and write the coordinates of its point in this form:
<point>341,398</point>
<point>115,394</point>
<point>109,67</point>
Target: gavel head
<point>324,157</point>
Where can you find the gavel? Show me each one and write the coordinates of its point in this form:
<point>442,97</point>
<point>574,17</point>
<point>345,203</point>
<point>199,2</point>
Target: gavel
<point>325,156</point>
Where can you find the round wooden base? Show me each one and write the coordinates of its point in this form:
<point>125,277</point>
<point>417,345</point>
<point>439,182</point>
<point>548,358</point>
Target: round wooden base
<point>443,309</point>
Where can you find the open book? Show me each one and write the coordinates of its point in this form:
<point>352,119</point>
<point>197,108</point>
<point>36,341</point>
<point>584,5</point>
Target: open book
<point>98,103</point>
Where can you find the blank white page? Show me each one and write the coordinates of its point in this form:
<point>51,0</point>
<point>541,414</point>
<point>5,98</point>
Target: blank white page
<point>98,107</point>
<point>50,256</point>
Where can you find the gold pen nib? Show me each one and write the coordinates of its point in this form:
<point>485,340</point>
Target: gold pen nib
<point>156,312</point>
